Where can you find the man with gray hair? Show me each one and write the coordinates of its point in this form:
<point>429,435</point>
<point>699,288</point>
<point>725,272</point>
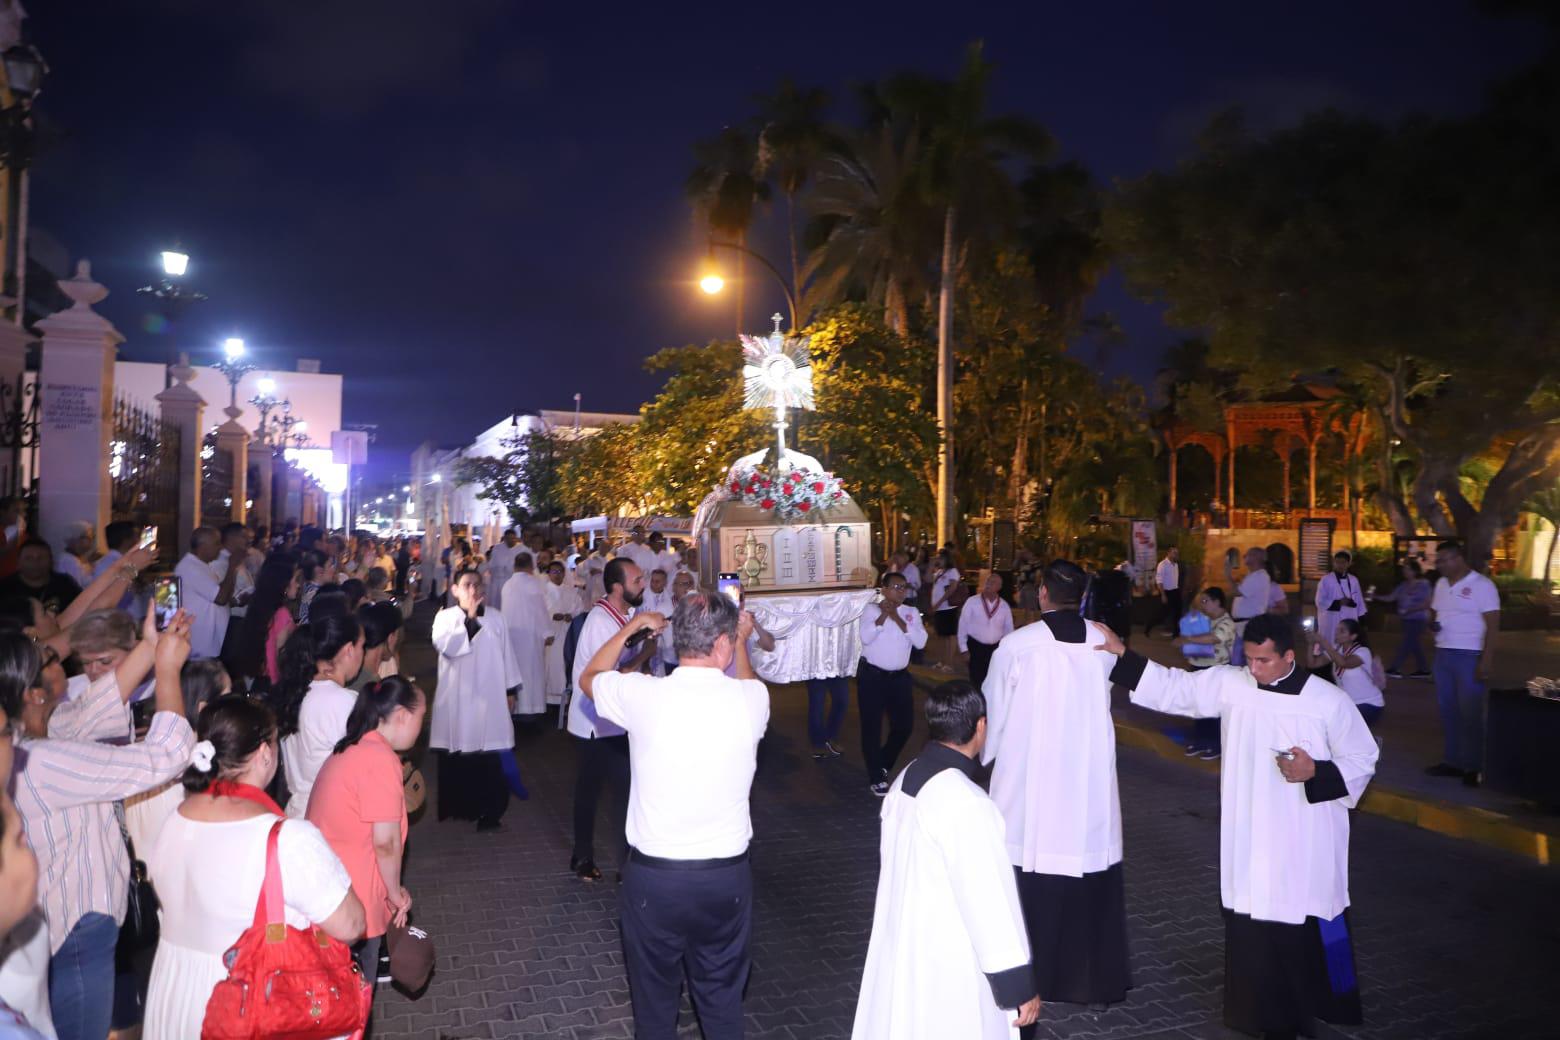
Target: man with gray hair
<point>687,896</point>
<point>207,591</point>
<point>76,561</point>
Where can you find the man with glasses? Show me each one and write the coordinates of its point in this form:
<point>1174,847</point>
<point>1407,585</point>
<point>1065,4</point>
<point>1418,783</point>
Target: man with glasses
<point>889,631</point>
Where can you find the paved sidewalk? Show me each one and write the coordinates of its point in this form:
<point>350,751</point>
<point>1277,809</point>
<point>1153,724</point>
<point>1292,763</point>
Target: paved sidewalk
<point>1453,939</point>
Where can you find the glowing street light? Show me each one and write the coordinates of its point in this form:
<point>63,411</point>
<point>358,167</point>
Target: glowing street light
<point>233,347</point>
<point>234,367</point>
<point>174,263</point>
<point>712,284</point>
<point>407,489</point>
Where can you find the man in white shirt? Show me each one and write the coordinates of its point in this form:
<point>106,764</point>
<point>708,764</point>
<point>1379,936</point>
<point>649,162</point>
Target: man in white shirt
<point>501,565</point>
<point>1252,593</point>
<point>603,747</point>
<point>889,630</point>
<point>687,900</point>
<point>1338,596</point>
<point>948,955</point>
<point>235,543</point>
<point>1051,736</point>
<point>1465,609</point>
<point>207,592</point>
<point>983,621</point>
<point>666,558</point>
<point>1297,758</point>
<point>1168,577</point>
<point>73,561</point>
<point>635,549</point>
<point>659,599</point>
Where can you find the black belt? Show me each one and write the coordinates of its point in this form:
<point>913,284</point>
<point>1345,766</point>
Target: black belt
<point>635,856</point>
<point>886,671</point>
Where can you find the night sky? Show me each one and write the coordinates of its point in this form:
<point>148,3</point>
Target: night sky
<point>474,208</point>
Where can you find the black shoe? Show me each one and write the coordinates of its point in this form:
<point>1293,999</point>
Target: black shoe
<point>1443,769</point>
<point>488,823</point>
<point>586,870</point>
<point>820,755</point>
<point>384,964</point>
<point>1472,778</point>
<point>833,748</point>
<point>1097,1007</point>
<point>1393,673</point>
<point>1420,675</point>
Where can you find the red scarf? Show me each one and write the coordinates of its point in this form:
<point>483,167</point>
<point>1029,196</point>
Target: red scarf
<point>619,618</point>
<point>991,611</point>
<point>248,792</point>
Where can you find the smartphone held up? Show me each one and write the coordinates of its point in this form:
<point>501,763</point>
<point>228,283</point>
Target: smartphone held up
<point>167,598</point>
<point>730,586</point>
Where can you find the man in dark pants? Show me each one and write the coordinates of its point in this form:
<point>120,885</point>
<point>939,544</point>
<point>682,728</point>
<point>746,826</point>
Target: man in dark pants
<point>889,631</point>
<point>1168,577</point>
<point>687,898</point>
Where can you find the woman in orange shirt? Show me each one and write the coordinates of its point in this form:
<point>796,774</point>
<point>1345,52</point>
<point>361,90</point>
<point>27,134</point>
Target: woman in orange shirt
<point>359,805</point>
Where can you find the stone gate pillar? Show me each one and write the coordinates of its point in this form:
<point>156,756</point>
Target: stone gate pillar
<point>186,409</point>
<point>76,415</point>
<point>234,439</point>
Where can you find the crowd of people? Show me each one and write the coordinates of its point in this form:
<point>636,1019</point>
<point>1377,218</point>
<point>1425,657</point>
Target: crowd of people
<point>163,751</point>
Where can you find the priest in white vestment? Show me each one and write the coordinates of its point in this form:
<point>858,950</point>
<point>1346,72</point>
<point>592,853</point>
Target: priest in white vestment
<point>1297,758</point>
<point>563,605</point>
<point>471,726</point>
<point>525,612</point>
<point>1338,596</point>
<point>948,956</point>
<point>1054,744</point>
<point>501,564</point>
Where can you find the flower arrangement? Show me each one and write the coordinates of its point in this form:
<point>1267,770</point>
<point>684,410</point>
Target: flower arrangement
<point>794,496</point>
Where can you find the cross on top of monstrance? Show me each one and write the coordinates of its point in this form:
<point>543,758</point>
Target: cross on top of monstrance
<point>777,373</point>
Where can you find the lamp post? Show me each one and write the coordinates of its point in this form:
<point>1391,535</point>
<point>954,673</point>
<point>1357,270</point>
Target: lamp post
<point>264,400</point>
<point>234,367</point>
<point>712,283</point>
<point>172,296</point>
<point>24,72</point>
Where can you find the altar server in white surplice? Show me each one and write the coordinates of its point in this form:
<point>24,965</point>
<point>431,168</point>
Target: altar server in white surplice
<point>1297,758</point>
<point>525,611</point>
<point>563,603</point>
<point>501,564</point>
<point>471,723</point>
<point>1054,744</point>
<point>948,957</point>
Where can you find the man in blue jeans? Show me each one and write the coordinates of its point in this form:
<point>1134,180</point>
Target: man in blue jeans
<point>822,730</point>
<point>1466,610</point>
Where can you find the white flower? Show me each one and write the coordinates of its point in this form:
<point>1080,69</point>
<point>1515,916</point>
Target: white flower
<point>203,755</point>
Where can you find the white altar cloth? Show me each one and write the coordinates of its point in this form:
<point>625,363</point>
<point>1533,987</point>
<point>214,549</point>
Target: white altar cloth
<point>816,634</point>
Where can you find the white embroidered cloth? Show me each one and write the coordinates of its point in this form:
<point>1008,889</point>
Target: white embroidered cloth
<point>816,635</point>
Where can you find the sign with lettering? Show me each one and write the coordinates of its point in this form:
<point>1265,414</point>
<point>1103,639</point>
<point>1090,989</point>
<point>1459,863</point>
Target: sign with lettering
<point>1315,549</point>
<point>71,406</point>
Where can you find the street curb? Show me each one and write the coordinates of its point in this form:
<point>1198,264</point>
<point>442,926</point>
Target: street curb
<point>1454,821</point>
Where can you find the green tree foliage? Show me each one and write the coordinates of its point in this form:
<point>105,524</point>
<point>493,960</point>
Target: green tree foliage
<point>524,480</point>
<point>696,426</point>
<point>603,472</point>
<point>1416,261</point>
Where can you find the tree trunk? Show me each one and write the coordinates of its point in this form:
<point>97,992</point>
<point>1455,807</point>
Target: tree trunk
<point>1020,471</point>
<point>741,280</point>
<point>1549,557</point>
<point>1387,495</point>
<point>796,266</point>
<point>946,508</point>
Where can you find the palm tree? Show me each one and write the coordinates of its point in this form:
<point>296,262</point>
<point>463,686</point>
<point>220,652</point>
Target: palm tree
<point>791,142</point>
<point>725,188</point>
<point>874,229</point>
<point>964,171</point>
<point>1546,505</point>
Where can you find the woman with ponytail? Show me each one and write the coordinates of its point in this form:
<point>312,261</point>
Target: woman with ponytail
<point>208,863</point>
<point>359,804</point>
<point>318,665</point>
<point>269,620</point>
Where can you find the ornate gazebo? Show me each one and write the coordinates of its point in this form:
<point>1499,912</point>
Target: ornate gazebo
<point>1303,418</point>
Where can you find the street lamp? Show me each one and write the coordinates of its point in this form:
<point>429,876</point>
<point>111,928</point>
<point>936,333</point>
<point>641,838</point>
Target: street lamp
<point>234,367</point>
<point>713,283</point>
<point>263,401</point>
<point>175,263</point>
<point>172,297</point>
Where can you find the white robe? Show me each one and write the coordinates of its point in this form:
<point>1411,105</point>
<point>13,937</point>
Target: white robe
<point>501,566</point>
<point>1281,858</point>
<point>947,914</point>
<point>470,709</point>
<point>525,611</point>
<point>1049,729</point>
<point>1331,588</point>
<point>561,599</point>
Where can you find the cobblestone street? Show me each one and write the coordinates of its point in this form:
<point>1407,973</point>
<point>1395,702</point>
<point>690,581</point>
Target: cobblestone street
<point>1453,940</point>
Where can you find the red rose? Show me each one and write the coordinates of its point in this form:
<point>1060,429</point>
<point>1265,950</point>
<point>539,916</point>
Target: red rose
<point>804,506</point>
<point>736,487</point>
<point>818,486</point>
<point>786,490</point>
<point>767,503</point>
<point>836,494</point>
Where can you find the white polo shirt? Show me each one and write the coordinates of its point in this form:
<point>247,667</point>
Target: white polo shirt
<point>693,746</point>
<point>885,646</point>
<point>1252,596</point>
<point>1460,610</point>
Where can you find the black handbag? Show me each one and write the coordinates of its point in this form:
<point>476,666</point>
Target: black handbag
<point>138,935</point>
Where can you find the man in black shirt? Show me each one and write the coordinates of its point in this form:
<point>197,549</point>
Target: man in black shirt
<point>36,578</point>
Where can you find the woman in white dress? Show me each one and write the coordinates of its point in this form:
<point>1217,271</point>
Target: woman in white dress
<point>319,662</point>
<point>209,860</point>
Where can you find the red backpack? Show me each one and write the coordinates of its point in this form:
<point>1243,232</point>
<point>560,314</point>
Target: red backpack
<point>286,983</point>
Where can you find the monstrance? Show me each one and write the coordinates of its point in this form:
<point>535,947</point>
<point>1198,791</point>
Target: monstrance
<point>777,373</point>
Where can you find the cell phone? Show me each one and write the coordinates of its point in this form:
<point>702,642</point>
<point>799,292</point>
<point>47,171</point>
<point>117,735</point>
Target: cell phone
<point>148,537</point>
<point>167,596</point>
<point>141,712</point>
<point>1285,754</point>
<point>1309,624</point>
<point>730,586</point>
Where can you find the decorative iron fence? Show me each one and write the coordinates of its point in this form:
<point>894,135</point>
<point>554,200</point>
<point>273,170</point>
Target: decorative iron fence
<point>143,470</point>
<point>216,482</point>
<point>19,437</point>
